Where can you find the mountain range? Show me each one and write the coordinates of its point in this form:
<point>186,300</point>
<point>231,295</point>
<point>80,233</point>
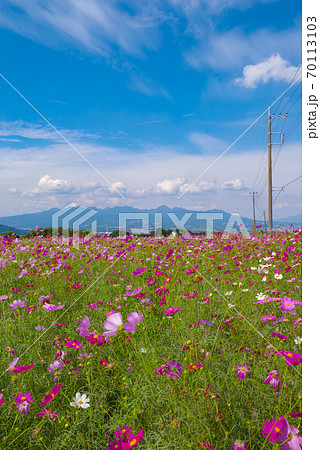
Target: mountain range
<point>108,219</point>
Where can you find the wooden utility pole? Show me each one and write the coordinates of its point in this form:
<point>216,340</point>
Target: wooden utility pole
<point>265,225</point>
<point>269,171</point>
<point>270,161</point>
<point>254,210</point>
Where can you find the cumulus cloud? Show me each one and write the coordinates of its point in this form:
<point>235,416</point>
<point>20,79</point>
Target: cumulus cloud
<point>197,188</point>
<point>118,186</point>
<point>49,184</point>
<point>233,185</point>
<point>274,68</point>
<point>169,186</point>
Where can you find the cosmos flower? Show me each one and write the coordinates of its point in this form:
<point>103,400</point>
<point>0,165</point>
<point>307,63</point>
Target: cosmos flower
<point>47,413</point>
<point>137,272</point>
<point>133,319</point>
<point>52,394</point>
<point>298,341</point>
<point>1,399</point>
<point>80,401</point>
<point>173,369</point>
<point>18,304</point>
<point>22,402</point>
<point>277,430</point>
<point>239,445</point>
<point>243,371</point>
<point>172,310</point>
<point>287,304</point>
<point>292,359</point>
<point>274,380</point>
<point>113,324</point>
<point>133,440</point>
<point>56,366</point>
<point>19,369</point>
<point>73,344</point>
<point>83,328</point>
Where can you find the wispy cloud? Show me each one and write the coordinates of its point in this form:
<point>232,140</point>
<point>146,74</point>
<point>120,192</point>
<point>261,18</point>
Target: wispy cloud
<point>92,25</point>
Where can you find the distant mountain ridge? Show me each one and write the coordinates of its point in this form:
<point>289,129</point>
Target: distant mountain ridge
<point>108,219</point>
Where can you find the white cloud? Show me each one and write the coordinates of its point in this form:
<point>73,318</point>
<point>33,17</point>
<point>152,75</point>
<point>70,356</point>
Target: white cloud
<point>92,25</point>
<point>197,188</point>
<point>169,186</point>
<point>143,192</point>
<point>48,184</point>
<point>118,186</point>
<point>274,68</point>
<point>207,142</point>
<point>233,185</point>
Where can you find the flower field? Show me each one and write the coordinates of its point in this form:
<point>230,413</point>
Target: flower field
<point>151,343</point>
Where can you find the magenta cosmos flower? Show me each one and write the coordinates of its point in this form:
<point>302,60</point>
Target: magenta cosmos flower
<point>277,430</point>
<point>243,371</point>
<point>47,413</point>
<point>172,310</point>
<point>23,402</point>
<point>274,380</point>
<point>292,359</point>
<point>239,445</point>
<point>133,440</point>
<point>1,399</point>
<point>173,369</point>
<point>113,324</point>
<point>21,368</point>
<point>133,320</point>
<point>137,272</point>
<point>52,394</point>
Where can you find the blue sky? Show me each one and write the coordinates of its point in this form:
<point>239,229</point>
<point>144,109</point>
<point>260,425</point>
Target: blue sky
<point>150,93</point>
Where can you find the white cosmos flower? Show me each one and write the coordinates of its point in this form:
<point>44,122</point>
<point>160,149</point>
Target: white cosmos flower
<point>229,293</point>
<point>278,276</point>
<point>264,278</point>
<point>260,296</point>
<point>81,401</point>
<point>298,341</point>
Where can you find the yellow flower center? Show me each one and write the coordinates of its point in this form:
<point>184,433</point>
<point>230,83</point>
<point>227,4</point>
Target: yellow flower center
<point>274,375</point>
<point>80,402</point>
<point>277,429</point>
<point>23,398</point>
<point>95,336</point>
<point>290,355</point>
<point>133,442</point>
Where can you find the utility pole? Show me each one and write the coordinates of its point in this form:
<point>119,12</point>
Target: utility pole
<point>265,225</point>
<point>270,161</point>
<point>254,210</point>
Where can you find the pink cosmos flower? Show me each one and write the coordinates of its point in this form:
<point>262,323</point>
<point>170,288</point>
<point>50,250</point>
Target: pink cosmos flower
<point>283,337</point>
<point>19,369</point>
<point>18,304</point>
<point>277,430</point>
<point>172,310</point>
<point>56,366</point>
<point>173,369</point>
<point>133,319</point>
<point>47,413</point>
<point>73,344</point>
<point>274,380</point>
<point>50,307</point>
<point>269,317</point>
<point>287,304</point>
<point>133,440</point>
<point>239,445</point>
<point>292,441</point>
<point>1,399</point>
<point>84,326</point>
<point>137,272</point>
<point>23,402</point>
<point>122,431</point>
<point>243,371</point>
<point>292,359</point>
<point>113,324</point>
<point>96,338</point>
<point>52,394</point>
<point>13,364</point>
